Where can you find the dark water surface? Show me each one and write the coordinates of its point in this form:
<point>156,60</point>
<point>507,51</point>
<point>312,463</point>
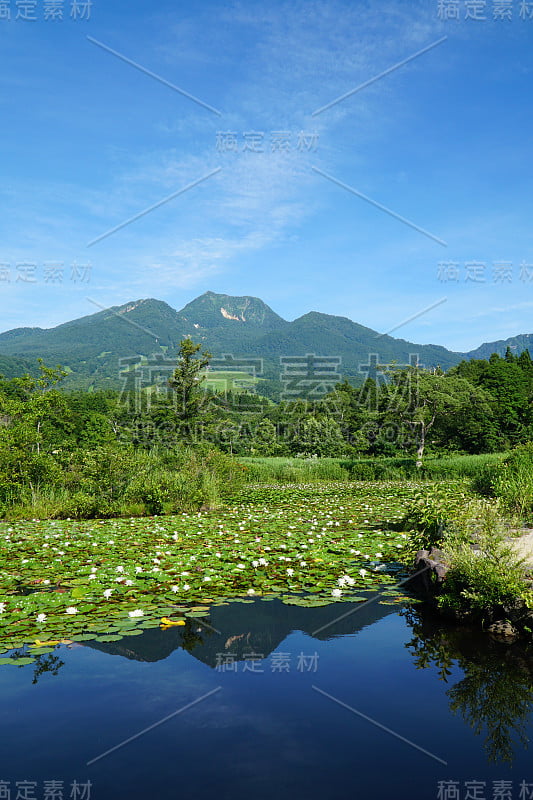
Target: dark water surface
<point>281,702</point>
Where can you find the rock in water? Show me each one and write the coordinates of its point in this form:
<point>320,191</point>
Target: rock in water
<point>503,631</point>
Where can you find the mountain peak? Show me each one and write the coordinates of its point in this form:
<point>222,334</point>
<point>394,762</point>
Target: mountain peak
<point>212,310</point>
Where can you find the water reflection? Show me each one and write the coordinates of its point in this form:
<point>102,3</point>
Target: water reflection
<point>488,684</point>
<point>243,629</point>
<point>43,663</point>
<point>495,696</point>
<point>46,663</point>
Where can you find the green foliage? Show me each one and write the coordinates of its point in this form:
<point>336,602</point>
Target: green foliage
<point>187,379</point>
<point>153,500</point>
<point>486,575</point>
<point>81,505</point>
<point>512,480</point>
<point>433,513</point>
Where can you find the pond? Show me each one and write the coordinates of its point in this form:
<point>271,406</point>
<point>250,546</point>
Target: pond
<point>261,699</point>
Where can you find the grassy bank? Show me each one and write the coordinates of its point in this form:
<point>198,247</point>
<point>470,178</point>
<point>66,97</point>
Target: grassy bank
<point>307,470</point>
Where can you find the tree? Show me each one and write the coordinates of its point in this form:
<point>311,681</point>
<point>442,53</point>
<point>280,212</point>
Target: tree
<point>419,400</point>
<point>187,381</point>
<point>32,407</point>
<point>265,439</point>
<point>319,436</point>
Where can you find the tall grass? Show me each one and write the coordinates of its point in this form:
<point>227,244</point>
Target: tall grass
<point>294,470</point>
<point>112,482</point>
<point>511,480</point>
<point>309,470</point>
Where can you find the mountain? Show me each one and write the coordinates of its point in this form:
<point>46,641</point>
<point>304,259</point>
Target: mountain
<point>92,346</point>
<point>14,367</point>
<point>212,310</point>
<point>516,344</point>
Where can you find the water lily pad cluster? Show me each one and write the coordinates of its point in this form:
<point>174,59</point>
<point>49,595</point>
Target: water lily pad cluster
<point>76,580</point>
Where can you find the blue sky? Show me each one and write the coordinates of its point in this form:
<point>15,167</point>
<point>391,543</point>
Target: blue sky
<point>89,141</point>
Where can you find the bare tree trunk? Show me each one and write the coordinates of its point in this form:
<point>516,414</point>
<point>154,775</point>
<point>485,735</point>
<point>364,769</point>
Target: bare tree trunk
<point>420,448</point>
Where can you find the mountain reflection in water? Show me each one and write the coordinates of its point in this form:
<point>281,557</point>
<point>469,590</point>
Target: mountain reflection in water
<point>398,703</point>
<point>495,696</point>
<point>253,627</point>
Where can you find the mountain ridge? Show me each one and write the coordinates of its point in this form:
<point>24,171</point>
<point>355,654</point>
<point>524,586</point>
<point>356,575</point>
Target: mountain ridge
<point>245,326</point>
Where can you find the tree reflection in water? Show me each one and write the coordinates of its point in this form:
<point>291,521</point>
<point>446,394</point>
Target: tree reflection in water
<point>46,663</point>
<point>495,695</point>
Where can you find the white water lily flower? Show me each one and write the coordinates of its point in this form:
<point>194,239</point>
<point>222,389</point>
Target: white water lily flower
<point>108,593</point>
<point>2,608</point>
<point>290,572</point>
<point>136,613</point>
<point>186,587</point>
<point>71,610</point>
<point>119,569</point>
<point>363,572</point>
<point>128,583</point>
<point>336,593</point>
<point>92,577</point>
<point>93,569</point>
<point>41,618</point>
<point>263,562</point>
<point>250,592</point>
<point>138,569</point>
<point>255,563</point>
<point>241,566</point>
<point>207,578</point>
<point>174,588</point>
<point>379,555</point>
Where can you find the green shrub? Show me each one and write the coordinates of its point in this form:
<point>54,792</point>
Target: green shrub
<point>484,480</point>
<point>153,501</point>
<point>513,480</point>
<point>432,513</point>
<point>85,506</point>
<point>486,576</point>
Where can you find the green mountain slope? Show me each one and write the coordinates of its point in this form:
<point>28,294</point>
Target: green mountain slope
<point>92,346</point>
<point>516,343</point>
